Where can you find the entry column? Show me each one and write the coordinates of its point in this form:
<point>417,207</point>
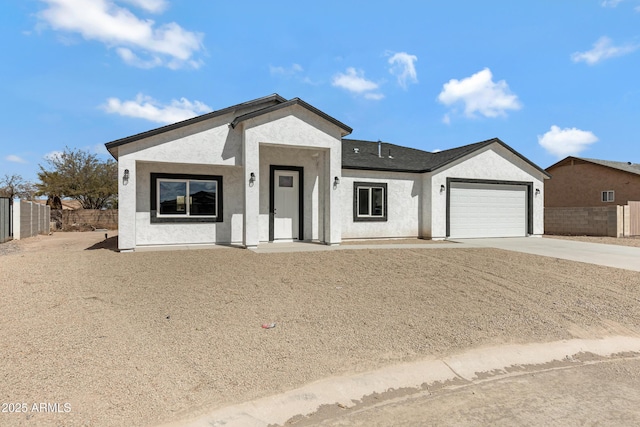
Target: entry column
<point>251,162</point>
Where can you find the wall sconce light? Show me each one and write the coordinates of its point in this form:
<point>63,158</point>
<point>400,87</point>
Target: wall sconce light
<point>125,176</point>
<point>252,178</point>
<point>336,181</point>
<point>537,191</point>
<point>442,188</point>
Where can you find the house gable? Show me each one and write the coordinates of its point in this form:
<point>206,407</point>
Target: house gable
<point>168,130</point>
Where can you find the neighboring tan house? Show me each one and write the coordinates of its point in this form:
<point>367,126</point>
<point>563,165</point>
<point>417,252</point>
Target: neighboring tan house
<point>580,182</point>
<point>272,170</point>
<point>67,204</point>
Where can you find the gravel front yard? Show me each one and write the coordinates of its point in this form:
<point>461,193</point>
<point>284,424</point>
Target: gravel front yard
<point>149,337</point>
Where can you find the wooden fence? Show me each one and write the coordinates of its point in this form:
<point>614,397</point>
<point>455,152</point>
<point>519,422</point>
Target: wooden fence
<point>634,218</point>
<point>6,222</point>
<point>89,219</point>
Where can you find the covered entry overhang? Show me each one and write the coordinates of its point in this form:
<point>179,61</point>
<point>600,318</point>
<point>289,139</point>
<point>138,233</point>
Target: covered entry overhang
<point>291,155</point>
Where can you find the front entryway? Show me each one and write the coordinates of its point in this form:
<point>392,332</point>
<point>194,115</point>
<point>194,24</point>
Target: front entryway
<point>286,203</point>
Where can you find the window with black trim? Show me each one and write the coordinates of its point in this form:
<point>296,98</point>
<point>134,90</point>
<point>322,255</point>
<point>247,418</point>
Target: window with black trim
<point>608,196</point>
<point>369,201</point>
<point>186,198</point>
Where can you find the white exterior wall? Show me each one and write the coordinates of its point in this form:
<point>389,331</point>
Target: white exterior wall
<point>404,193</point>
<point>313,162</point>
<point>493,163</point>
<point>291,137</point>
<point>209,147</point>
<point>225,232</point>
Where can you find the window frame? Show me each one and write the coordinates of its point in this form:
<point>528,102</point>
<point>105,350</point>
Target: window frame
<point>156,217</point>
<point>605,196</point>
<point>357,217</point>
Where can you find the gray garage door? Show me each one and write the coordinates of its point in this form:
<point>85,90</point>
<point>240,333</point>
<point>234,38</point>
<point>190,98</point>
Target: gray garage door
<point>487,210</point>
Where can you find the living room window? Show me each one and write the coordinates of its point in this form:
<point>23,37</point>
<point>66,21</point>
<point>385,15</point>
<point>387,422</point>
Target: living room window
<point>608,196</point>
<point>186,198</point>
<point>370,201</point>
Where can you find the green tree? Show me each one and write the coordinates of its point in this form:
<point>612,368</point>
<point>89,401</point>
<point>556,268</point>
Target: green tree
<point>13,186</point>
<point>80,175</point>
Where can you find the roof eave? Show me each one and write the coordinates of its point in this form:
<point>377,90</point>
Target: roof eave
<point>173,126</point>
<point>346,130</point>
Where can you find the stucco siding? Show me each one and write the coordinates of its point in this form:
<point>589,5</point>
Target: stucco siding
<point>582,184</point>
<point>312,161</point>
<point>494,163</point>
<point>211,142</point>
<point>403,205</point>
<point>227,231</point>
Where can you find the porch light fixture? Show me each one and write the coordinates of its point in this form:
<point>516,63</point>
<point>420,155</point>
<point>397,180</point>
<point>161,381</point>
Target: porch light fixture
<point>336,181</point>
<point>252,178</point>
<point>126,174</point>
<point>442,188</point>
<point>537,191</point>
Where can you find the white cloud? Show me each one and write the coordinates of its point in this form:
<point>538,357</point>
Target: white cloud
<point>479,94</point>
<point>403,67</point>
<point>145,107</point>
<point>153,6</point>
<point>286,71</point>
<point>610,3</point>
<point>602,49</point>
<point>53,155</point>
<point>15,159</point>
<point>103,20</point>
<point>567,141</point>
<point>375,96</point>
<point>353,81</point>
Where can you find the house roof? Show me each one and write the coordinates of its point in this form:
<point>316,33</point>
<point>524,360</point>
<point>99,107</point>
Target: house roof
<point>271,103</point>
<point>633,168</point>
<point>295,101</point>
<point>363,155</point>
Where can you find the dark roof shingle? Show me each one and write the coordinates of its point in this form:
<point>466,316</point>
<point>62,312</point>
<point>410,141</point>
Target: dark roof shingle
<point>396,158</point>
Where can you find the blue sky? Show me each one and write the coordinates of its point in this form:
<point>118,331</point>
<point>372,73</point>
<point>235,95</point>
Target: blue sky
<point>550,78</point>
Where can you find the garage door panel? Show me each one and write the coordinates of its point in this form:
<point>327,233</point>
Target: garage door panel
<point>487,210</point>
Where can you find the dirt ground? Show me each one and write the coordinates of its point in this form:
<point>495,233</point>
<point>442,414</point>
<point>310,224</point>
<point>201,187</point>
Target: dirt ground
<point>149,337</point>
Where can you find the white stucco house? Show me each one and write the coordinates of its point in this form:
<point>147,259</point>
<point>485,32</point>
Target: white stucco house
<point>272,170</point>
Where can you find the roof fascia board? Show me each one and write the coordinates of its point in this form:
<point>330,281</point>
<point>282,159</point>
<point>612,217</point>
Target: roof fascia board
<point>295,101</point>
<point>499,142</point>
<point>173,126</point>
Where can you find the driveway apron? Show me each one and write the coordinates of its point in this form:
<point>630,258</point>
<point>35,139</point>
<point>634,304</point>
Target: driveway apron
<point>593,253</point>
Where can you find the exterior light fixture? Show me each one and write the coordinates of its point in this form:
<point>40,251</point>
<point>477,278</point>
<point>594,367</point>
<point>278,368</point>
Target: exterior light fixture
<point>537,191</point>
<point>252,178</point>
<point>126,175</point>
<point>441,188</point>
<point>336,181</point>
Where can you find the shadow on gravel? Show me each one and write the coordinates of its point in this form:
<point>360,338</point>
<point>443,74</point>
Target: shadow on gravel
<point>111,244</point>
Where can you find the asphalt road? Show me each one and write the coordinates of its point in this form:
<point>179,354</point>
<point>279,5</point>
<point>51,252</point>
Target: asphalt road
<point>604,393</point>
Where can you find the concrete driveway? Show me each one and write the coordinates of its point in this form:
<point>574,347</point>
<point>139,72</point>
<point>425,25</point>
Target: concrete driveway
<point>594,253</point>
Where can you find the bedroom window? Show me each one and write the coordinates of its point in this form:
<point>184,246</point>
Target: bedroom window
<point>370,201</point>
<point>186,198</point>
<point>608,196</point>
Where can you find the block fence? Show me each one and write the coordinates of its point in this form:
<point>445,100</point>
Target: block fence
<point>612,221</point>
<point>30,219</point>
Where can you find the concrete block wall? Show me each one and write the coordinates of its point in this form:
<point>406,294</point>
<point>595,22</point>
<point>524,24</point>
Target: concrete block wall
<point>585,221</point>
<point>30,219</point>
